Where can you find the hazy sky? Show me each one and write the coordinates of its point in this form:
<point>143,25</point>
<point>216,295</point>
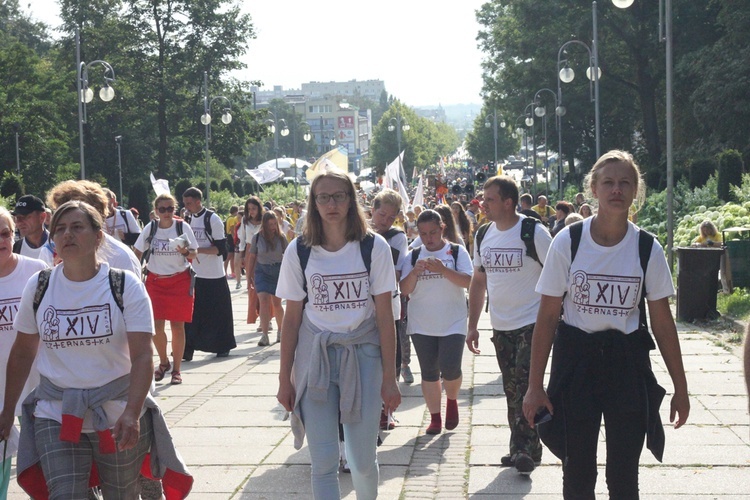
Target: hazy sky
<point>424,50</point>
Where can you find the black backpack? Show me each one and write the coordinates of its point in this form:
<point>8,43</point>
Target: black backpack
<point>220,244</point>
<point>130,237</point>
<point>116,286</point>
<point>528,227</point>
<point>303,253</point>
<point>388,235</point>
<point>154,226</point>
<point>454,253</point>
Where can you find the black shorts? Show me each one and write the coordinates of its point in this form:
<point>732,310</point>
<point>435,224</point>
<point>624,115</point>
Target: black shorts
<point>230,244</point>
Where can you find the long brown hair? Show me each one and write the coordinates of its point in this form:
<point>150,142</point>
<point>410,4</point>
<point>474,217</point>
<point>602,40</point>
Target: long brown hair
<point>253,200</point>
<point>356,224</point>
<point>270,238</point>
<point>449,232</point>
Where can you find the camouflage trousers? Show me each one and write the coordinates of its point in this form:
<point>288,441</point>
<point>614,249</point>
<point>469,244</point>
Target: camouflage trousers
<point>513,352</point>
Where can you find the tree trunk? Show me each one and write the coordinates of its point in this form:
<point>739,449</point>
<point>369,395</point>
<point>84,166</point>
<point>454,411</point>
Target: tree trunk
<point>647,98</point>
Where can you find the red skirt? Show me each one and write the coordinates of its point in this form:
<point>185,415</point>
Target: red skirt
<point>171,296</point>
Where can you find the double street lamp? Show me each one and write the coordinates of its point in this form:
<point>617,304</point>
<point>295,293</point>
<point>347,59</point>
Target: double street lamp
<point>86,95</point>
<point>226,119</point>
<point>541,111</point>
<point>487,124</point>
<point>118,141</point>
<point>275,131</point>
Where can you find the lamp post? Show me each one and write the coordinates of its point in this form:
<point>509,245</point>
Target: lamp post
<point>541,111</point>
<point>226,119</point>
<point>399,124</point>
<point>306,137</point>
<point>16,128</point>
<point>487,124</point>
<point>529,121</point>
<point>665,35</point>
<point>275,131</point>
<point>86,95</point>
<point>118,141</point>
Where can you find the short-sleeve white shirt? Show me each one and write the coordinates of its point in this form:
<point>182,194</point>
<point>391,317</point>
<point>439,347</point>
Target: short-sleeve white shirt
<point>511,274</point>
<point>207,265</point>
<point>83,334</point>
<point>339,289</point>
<point>116,223</point>
<point>165,260</point>
<point>434,292</point>
<point>398,242</point>
<point>604,284</point>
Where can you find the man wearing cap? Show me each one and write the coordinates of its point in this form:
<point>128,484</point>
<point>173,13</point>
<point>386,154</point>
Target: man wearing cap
<point>30,215</point>
<point>472,211</point>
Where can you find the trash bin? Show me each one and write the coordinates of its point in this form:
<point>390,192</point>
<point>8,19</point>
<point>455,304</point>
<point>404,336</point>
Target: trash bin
<point>738,252</point>
<point>697,282</point>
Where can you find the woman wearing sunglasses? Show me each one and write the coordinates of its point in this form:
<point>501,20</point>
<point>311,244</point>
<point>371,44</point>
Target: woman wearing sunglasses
<point>169,245</point>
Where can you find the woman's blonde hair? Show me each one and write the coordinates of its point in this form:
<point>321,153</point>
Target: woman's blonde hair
<point>91,214</point>
<point>166,197</point>
<point>710,228</point>
<point>387,197</point>
<point>90,192</point>
<point>5,214</point>
<point>616,156</point>
<point>356,224</point>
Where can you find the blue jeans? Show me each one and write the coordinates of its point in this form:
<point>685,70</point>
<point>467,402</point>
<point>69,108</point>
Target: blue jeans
<point>321,420</point>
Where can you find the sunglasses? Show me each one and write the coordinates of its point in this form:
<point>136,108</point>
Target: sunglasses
<point>163,210</point>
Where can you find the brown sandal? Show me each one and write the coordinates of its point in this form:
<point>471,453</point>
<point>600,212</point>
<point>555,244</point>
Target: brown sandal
<point>161,371</point>
<point>176,378</point>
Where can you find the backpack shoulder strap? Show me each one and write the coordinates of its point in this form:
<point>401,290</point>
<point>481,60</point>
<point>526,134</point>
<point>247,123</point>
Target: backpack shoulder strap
<point>207,225</point>
<point>576,231</point>
<point>415,255</point>
<point>303,254</point>
<point>41,287</point>
<point>391,233</point>
<point>454,253</point>
<point>365,248</point>
<point>153,227</point>
<point>179,228</point>
<point>17,246</point>
<point>117,286</point>
<point>481,232</point>
<point>645,243</point>
<point>528,228</point>
<point>124,219</point>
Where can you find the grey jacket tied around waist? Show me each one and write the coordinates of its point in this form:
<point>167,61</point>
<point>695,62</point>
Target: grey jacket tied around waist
<point>312,370</point>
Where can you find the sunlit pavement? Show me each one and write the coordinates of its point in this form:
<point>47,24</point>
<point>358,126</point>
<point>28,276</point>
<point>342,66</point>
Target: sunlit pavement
<point>231,432</point>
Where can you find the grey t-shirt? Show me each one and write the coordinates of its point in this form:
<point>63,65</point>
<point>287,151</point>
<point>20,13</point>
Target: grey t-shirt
<point>268,253</point>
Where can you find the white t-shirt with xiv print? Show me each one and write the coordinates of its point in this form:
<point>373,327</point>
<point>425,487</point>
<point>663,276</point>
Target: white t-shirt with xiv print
<point>339,289</point>
<point>83,334</point>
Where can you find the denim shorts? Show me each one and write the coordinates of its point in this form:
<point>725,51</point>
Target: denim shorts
<point>267,277</point>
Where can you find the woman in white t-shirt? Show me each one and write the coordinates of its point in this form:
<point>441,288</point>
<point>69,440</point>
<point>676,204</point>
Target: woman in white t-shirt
<point>437,281</point>
<point>169,245</point>
<point>248,227</point>
<point>15,271</point>
<point>87,344</point>
<point>600,364</point>
<point>339,337</point>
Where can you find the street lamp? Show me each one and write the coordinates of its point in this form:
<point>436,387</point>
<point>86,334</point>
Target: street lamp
<point>118,141</point>
<point>529,121</point>
<point>665,35</point>
<point>275,131</point>
<point>16,128</point>
<point>541,111</point>
<point>226,119</point>
<point>593,72</point>
<point>494,129</point>
<point>86,95</point>
<point>399,124</point>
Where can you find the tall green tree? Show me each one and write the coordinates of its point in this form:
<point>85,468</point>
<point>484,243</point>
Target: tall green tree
<point>480,141</point>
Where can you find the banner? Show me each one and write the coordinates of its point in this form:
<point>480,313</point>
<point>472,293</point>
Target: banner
<point>265,174</point>
<point>161,186</point>
<point>394,180</point>
<point>419,194</point>
<point>337,158</point>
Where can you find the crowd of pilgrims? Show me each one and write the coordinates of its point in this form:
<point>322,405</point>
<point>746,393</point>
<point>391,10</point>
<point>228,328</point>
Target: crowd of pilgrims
<point>353,281</point>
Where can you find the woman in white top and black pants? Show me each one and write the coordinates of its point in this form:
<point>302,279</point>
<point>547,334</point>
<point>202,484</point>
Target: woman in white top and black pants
<point>600,364</point>
<point>169,245</point>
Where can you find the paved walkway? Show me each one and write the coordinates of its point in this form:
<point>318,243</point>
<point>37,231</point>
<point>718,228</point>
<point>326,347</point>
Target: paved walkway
<point>230,430</point>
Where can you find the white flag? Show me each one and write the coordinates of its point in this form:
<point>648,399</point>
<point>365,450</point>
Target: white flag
<point>161,186</point>
<point>442,166</point>
<point>419,194</point>
<point>264,175</point>
<point>393,180</point>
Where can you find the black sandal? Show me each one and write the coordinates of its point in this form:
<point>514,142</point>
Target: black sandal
<point>161,371</point>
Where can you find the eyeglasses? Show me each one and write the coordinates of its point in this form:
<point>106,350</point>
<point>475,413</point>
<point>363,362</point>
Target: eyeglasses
<point>162,210</point>
<point>6,235</point>
<point>324,198</point>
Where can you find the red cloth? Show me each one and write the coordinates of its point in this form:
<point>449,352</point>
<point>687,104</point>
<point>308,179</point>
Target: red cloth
<point>253,306</point>
<point>170,296</point>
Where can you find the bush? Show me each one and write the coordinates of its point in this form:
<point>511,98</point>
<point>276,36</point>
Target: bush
<point>730,172</point>
<point>700,170</point>
<point>179,188</point>
<point>226,185</point>
<point>138,198</point>
<point>11,186</point>
<point>238,189</point>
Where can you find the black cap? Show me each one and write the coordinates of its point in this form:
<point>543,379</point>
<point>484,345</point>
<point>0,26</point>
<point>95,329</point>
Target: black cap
<point>27,204</point>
